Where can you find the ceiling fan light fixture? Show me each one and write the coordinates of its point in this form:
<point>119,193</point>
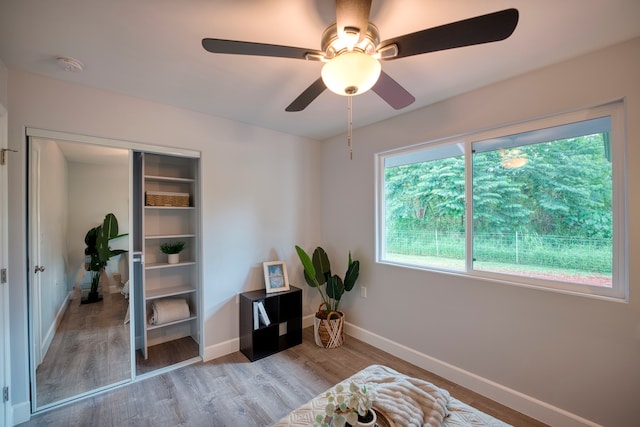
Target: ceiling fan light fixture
<point>512,158</point>
<point>515,163</point>
<point>351,73</point>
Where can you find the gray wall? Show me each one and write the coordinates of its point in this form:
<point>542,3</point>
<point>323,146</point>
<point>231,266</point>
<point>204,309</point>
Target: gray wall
<point>575,353</point>
<point>52,229</point>
<point>579,354</point>
<point>4,85</point>
<point>87,209</point>
<point>255,196</point>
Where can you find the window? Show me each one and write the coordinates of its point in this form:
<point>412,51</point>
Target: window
<point>539,204</point>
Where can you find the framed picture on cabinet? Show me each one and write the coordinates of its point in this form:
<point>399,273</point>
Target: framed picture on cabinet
<point>275,276</point>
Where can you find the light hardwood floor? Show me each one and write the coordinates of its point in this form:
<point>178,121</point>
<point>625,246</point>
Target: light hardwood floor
<point>89,349</point>
<point>231,391</point>
<point>166,354</point>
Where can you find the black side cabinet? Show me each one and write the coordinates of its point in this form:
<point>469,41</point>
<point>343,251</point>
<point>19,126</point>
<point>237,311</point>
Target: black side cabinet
<point>284,310</point>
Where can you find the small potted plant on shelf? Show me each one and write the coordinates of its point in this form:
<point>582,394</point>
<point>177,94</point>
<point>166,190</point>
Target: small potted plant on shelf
<point>329,321</point>
<point>172,249</point>
<point>351,407</point>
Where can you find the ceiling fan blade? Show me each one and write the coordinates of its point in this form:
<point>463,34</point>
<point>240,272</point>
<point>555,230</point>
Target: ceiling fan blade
<point>480,29</point>
<point>258,49</point>
<point>306,97</point>
<point>391,91</point>
<point>353,14</point>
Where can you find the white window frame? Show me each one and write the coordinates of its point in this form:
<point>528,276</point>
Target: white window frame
<point>620,278</point>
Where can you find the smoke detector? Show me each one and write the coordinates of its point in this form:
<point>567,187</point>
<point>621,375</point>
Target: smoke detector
<point>69,64</point>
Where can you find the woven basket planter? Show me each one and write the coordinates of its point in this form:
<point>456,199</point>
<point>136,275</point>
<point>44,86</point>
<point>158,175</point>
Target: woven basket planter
<point>328,328</point>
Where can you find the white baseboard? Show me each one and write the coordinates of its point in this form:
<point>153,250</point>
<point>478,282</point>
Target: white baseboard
<point>221,349</point>
<point>308,321</point>
<point>521,402</point>
<point>46,342</point>
<point>231,346</point>
<point>21,412</point>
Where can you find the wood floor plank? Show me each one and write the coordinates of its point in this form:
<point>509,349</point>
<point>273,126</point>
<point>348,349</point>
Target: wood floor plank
<point>231,391</point>
<point>89,349</point>
<point>166,354</point>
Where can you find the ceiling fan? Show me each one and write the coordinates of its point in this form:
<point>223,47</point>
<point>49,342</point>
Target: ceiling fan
<point>352,50</point>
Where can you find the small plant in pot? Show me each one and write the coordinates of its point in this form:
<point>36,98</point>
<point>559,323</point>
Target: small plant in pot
<point>352,406</point>
<point>172,249</point>
<point>329,320</point>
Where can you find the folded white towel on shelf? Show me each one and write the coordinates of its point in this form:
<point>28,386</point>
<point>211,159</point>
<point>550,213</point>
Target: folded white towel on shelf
<point>168,310</point>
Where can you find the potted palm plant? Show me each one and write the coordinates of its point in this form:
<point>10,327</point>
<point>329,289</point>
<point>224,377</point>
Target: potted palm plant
<point>98,253</point>
<point>329,320</point>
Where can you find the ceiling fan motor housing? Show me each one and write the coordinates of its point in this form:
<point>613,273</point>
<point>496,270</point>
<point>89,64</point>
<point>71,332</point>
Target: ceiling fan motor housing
<point>333,45</point>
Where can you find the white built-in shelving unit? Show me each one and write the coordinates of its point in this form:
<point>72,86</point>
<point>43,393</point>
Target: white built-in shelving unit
<point>161,224</point>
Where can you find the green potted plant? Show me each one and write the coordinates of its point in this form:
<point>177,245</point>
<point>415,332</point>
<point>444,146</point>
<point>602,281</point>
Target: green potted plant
<point>352,406</point>
<point>172,249</point>
<point>98,253</point>
<point>329,321</point>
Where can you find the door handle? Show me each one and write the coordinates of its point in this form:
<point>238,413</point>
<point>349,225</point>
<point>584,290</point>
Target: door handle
<point>39,269</point>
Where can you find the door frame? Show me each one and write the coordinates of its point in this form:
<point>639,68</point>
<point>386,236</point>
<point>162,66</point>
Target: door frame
<point>6,418</point>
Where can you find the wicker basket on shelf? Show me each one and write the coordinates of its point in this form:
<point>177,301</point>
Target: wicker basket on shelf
<point>163,198</point>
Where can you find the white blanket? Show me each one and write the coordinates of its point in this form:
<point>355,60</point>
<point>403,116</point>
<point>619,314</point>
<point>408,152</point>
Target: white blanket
<point>407,401</point>
<point>459,414</point>
<point>168,310</point>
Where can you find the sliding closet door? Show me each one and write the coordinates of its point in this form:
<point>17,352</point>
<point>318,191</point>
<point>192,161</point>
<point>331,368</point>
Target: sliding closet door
<point>79,344</point>
<point>82,345</point>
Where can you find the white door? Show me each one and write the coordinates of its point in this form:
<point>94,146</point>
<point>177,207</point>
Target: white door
<point>4,282</point>
<point>36,253</point>
<point>47,278</point>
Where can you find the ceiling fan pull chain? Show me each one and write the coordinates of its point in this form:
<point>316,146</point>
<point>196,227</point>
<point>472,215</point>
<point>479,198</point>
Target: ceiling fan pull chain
<point>349,124</point>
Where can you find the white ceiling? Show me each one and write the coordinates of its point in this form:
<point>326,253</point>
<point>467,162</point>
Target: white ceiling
<point>151,49</point>
<point>93,154</point>
<point>90,154</point>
